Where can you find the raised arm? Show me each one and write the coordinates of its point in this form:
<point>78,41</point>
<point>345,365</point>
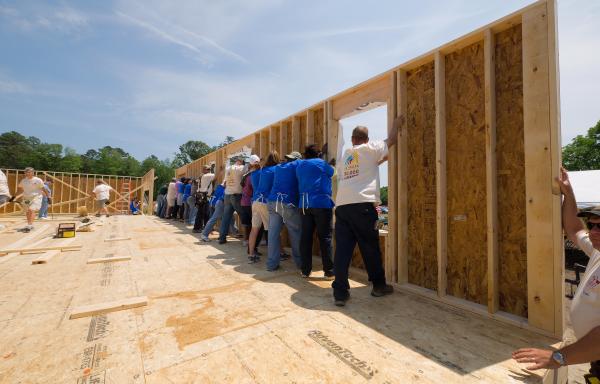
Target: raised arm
<point>571,223</point>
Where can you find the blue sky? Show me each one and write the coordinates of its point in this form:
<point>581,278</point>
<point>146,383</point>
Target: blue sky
<point>150,75</point>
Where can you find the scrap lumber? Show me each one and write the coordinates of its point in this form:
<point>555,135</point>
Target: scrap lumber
<point>23,251</point>
<point>111,306</point>
<point>44,258</point>
<point>118,239</point>
<point>108,259</point>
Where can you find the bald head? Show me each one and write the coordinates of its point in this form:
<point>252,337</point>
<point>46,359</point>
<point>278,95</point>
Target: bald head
<point>360,135</point>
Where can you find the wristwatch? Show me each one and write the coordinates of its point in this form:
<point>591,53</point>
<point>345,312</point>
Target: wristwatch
<point>558,357</point>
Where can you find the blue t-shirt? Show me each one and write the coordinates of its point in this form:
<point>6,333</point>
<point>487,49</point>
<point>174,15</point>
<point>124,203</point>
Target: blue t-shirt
<point>265,184</point>
<point>187,191</point>
<point>314,183</point>
<point>179,185</point>
<point>132,207</point>
<point>255,177</point>
<point>218,195</point>
<point>285,184</point>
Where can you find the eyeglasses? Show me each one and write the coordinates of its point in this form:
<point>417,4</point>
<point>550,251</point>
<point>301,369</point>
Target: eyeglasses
<point>591,225</point>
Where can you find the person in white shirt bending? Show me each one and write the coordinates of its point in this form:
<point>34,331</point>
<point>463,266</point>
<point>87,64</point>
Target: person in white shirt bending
<point>102,195</point>
<point>33,192</point>
<point>585,307</point>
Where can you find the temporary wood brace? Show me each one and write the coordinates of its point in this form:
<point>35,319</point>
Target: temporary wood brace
<point>112,306</point>
<point>108,259</point>
<point>487,100</point>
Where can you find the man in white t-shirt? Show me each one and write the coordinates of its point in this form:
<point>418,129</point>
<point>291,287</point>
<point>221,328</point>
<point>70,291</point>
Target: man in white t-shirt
<point>355,214</point>
<point>233,196</point>
<point>33,192</point>
<point>585,307</point>
<point>4,191</point>
<point>102,194</point>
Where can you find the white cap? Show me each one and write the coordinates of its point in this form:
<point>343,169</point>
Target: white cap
<point>254,159</point>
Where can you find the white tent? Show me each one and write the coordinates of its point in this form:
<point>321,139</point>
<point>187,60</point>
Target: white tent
<point>586,185</point>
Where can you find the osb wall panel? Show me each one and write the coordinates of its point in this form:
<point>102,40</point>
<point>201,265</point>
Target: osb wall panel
<point>421,188</point>
<point>319,126</point>
<point>512,233</point>
<point>466,177</point>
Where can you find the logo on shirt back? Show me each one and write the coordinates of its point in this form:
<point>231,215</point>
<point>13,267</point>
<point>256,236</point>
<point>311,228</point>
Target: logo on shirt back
<point>591,284</point>
<point>352,165</point>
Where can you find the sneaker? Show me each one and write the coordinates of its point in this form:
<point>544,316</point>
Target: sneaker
<point>273,269</point>
<point>204,238</point>
<point>382,290</point>
<point>284,256</point>
<point>304,275</point>
<point>256,252</point>
<point>224,241</point>
<point>196,230</point>
<point>329,275</point>
<point>253,259</point>
<point>27,229</point>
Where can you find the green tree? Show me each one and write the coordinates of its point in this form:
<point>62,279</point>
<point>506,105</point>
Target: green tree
<point>190,151</point>
<point>71,161</point>
<point>383,192</point>
<point>583,153</point>
<point>163,171</point>
<point>15,150</point>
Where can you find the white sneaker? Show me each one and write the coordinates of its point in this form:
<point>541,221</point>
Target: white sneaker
<point>44,218</point>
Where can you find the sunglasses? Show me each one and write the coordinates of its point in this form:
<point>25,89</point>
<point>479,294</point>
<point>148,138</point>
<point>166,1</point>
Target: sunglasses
<point>591,225</point>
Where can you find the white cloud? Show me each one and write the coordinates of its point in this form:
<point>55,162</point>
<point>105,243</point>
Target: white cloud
<point>63,19</point>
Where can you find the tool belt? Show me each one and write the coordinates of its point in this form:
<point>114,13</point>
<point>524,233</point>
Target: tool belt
<point>201,198</point>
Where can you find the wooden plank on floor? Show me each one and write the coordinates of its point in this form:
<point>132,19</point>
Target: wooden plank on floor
<point>108,259</point>
<point>118,239</point>
<point>111,306</point>
<point>45,257</point>
<point>23,251</point>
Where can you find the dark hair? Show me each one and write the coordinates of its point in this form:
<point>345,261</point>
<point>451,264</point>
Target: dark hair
<point>272,159</point>
<point>182,179</point>
<point>311,152</point>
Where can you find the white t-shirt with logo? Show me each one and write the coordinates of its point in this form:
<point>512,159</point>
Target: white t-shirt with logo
<point>32,187</point>
<point>585,308</point>
<point>102,191</point>
<point>358,173</point>
<point>233,179</point>
<point>4,191</point>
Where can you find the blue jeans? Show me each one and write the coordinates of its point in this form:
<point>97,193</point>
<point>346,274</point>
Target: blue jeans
<point>160,203</point>
<point>44,209</point>
<point>278,216</point>
<point>230,203</point>
<point>216,215</point>
<point>191,210</point>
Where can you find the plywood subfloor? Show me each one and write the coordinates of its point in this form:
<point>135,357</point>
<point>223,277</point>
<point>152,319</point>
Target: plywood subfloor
<point>213,318</point>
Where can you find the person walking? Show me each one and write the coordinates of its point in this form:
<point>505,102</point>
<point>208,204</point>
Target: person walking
<point>205,190</point>
<point>233,196</point>
<point>355,214</point>
<point>33,192</point>
<point>102,194</point>
<point>262,180</point>
<point>43,214</point>
<point>316,208</point>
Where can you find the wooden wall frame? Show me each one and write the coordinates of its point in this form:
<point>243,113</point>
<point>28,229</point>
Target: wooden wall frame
<point>534,71</point>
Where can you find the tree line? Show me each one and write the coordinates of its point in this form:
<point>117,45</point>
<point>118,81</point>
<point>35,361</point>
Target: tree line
<point>18,151</point>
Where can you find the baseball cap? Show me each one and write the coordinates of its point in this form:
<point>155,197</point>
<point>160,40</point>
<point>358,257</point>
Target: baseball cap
<point>253,159</point>
<point>587,212</point>
<point>293,155</point>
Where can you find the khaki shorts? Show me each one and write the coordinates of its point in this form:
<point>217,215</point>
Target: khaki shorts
<point>260,215</point>
<point>33,203</point>
<point>101,203</point>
